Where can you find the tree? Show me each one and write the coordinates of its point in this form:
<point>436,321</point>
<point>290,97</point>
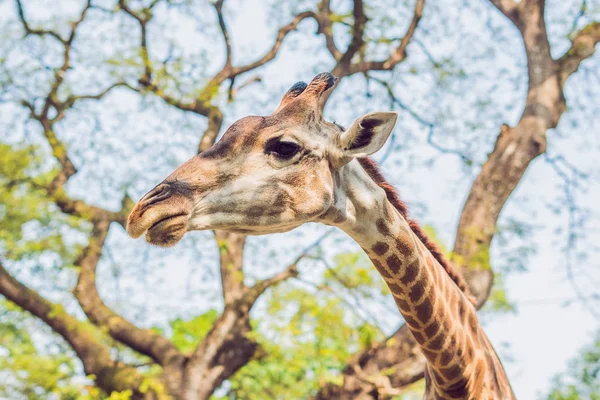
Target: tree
<point>60,76</point>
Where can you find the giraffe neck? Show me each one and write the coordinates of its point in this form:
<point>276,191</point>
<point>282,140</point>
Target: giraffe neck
<point>437,312</point>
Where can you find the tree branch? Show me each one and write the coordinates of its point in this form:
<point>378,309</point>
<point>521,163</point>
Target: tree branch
<point>59,76</point>
<point>202,104</point>
<point>509,8</point>
<point>143,22</point>
<point>399,53</point>
<point>35,31</point>
<point>291,271</point>
<point>58,149</point>
<point>344,66</point>
<point>325,28</point>
<point>231,261</point>
<point>215,121</point>
<point>270,55</point>
<point>357,41</point>
<point>234,90</point>
<point>429,125</point>
<point>95,356</point>
<point>219,7</point>
<point>144,341</point>
<point>71,100</point>
<point>224,350</point>
<point>583,46</point>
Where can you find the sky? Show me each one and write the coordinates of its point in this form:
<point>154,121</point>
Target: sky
<point>548,326</point>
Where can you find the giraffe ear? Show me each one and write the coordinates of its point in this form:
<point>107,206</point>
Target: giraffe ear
<point>367,134</point>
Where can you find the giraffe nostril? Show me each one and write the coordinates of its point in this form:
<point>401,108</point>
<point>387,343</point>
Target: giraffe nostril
<point>159,193</point>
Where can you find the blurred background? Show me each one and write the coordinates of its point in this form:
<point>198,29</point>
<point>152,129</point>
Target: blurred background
<point>495,151</point>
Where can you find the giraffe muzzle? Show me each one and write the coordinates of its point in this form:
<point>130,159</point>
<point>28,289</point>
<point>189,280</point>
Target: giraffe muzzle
<point>162,214</point>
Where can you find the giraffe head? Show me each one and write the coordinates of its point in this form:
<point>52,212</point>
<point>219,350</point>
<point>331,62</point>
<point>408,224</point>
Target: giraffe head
<point>265,175</point>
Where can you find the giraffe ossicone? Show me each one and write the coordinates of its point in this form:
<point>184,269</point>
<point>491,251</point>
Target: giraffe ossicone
<point>274,173</point>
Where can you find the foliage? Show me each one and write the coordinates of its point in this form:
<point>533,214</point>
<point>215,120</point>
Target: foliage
<point>186,334</point>
<point>31,225</point>
<point>582,379</point>
<point>29,369</point>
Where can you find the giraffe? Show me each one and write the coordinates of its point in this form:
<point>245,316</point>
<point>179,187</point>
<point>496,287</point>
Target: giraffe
<point>272,174</point>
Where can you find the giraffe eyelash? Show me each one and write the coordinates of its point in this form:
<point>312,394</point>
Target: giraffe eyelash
<point>282,149</point>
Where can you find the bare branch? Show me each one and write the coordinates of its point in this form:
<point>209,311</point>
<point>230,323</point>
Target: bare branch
<point>380,381</point>
<point>399,53</point>
<point>234,90</point>
<point>208,359</point>
<point>59,76</point>
<point>71,100</point>
<point>219,7</point>
<point>143,22</point>
<point>33,31</point>
<point>58,149</point>
<point>571,175</point>
<point>429,125</point>
<point>143,341</point>
<point>76,23</point>
<point>202,104</point>
<point>291,271</point>
<point>224,350</point>
<point>56,191</point>
<point>354,293</point>
<point>582,10</point>
<point>281,35</point>
<point>81,209</point>
<point>326,29</point>
<point>357,41</point>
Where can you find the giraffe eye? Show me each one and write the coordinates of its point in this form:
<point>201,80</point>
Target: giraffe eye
<point>283,150</point>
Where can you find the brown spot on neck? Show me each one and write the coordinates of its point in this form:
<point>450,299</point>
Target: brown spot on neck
<point>394,264</point>
<point>382,227</point>
<point>380,248</point>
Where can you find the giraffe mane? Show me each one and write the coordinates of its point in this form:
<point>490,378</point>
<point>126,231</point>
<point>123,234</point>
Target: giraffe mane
<point>373,171</point>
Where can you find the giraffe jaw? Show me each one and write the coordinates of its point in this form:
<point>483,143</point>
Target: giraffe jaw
<point>166,232</point>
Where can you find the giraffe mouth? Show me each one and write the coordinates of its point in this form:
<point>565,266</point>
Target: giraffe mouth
<point>167,231</point>
<point>162,215</point>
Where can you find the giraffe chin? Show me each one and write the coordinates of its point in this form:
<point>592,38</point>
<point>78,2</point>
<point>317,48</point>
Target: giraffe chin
<point>167,232</point>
